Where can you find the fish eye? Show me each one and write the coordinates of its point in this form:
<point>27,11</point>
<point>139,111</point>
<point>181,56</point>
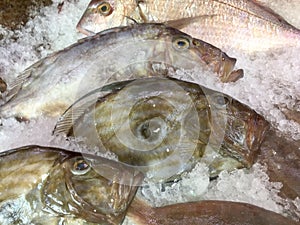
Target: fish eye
<point>181,43</point>
<point>220,100</point>
<point>105,9</point>
<point>80,167</point>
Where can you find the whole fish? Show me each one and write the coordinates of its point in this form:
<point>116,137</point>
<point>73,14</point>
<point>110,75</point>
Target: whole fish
<point>204,213</point>
<point>228,24</point>
<point>49,186</point>
<point>43,185</point>
<point>49,86</point>
<point>163,126</point>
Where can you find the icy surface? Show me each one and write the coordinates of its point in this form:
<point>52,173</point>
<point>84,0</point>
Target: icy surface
<point>271,83</point>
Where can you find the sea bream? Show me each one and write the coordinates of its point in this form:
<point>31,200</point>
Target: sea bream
<point>228,24</point>
<point>50,85</point>
<point>43,185</point>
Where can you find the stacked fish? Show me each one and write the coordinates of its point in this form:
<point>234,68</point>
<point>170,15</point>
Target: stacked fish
<point>121,91</point>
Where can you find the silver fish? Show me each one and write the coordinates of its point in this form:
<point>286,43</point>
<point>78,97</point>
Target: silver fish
<point>43,185</point>
<point>49,86</point>
<point>166,125</point>
<point>228,24</point>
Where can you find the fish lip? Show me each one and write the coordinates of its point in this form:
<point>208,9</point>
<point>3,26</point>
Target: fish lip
<point>84,31</point>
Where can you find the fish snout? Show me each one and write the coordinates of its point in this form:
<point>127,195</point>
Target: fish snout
<point>226,72</point>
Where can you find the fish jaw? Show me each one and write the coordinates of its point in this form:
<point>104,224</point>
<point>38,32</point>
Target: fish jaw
<point>92,21</point>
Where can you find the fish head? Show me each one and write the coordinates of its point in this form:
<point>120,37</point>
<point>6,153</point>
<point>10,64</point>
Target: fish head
<point>217,60</point>
<point>93,188</point>
<point>104,14</point>
<point>238,129</point>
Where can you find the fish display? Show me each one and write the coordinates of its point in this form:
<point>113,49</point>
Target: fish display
<point>165,125</point>
<point>43,185</point>
<point>119,90</point>
<point>228,24</point>
<point>206,213</point>
<point>50,85</point>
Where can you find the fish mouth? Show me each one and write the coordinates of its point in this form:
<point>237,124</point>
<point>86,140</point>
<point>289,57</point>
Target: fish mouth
<point>227,72</point>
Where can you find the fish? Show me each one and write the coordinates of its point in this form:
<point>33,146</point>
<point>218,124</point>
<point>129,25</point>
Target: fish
<point>231,25</point>
<point>49,86</point>
<point>163,126</point>
<point>209,212</point>
<point>44,185</point>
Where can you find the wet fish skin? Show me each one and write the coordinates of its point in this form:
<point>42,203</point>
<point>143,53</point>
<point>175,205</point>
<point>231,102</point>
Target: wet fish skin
<point>282,158</point>
<point>63,186</point>
<point>209,212</point>
<point>232,130</point>
<point>247,137</point>
<point>50,85</point>
<point>228,24</point>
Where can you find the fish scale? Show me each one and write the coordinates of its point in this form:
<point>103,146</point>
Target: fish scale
<point>228,24</point>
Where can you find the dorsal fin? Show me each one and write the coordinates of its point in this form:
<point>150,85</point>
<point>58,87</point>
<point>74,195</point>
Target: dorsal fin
<point>183,22</point>
<point>78,108</point>
<point>16,85</point>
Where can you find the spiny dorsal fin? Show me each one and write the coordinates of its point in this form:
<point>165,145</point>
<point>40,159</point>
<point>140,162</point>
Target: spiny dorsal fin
<point>79,107</point>
<point>74,112</point>
<point>16,85</point>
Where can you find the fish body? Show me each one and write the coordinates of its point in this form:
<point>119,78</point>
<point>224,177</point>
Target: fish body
<point>166,125</point>
<point>148,121</point>
<point>42,185</point>
<point>228,24</point>
<point>50,85</point>
<point>282,158</point>
<point>204,212</point>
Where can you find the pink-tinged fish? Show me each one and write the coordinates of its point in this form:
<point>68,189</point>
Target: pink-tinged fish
<point>205,213</point>
<point>228,24</point>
